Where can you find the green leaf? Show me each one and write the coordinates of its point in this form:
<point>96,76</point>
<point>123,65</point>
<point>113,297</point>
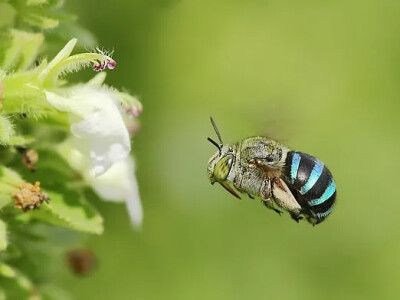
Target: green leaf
<point>23,282</point>
<point>8,180</point>
<point>51,170</point>
<point>7,15</point>
<point>97,80</point>
<point>3,236</point>
<point>5,45</point>
<point>12,252</point>
<point>69,209</point>
<point>36,2</point>
<point>5,195</point>
<point>64,63</point>
<point>39,20</point>
<point>23,49</point>
<point>6,130</point>
<point>20,140</point>
<point>58,59</point>
<point>7,271</point>
<point>22,94</point>
<point>30,44</point>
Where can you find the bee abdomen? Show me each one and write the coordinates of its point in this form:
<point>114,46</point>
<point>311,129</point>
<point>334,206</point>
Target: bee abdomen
<point>311,183</point>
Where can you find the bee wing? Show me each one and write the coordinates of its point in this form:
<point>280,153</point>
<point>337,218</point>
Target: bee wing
<point>283,196</point>
<point>263,165</point>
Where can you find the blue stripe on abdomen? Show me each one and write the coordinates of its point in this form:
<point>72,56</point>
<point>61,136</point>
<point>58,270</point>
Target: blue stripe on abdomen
<point>295,166</point>
<point>326,195</point>
<point>315,174</point>
<point>324,214</point>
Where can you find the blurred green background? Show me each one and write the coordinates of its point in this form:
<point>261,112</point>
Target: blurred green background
<point>322,77</point>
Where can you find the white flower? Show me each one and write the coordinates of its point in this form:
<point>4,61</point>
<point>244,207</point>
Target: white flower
<point>96,123</point>
<point>117,184</point>
<point>100,146</point>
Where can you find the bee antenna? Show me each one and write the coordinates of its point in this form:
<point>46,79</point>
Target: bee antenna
<point>214,143</point>
<point>217,132</point>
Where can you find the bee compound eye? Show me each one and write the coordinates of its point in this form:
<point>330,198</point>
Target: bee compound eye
<point>223,167</point>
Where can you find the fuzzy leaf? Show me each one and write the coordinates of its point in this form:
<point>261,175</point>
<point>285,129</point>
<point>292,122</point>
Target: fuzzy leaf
<point>69,209</point>
<point>58,59</point>
<point>22,95</point>
<point>3,236</point>
<point>64,63</point>
<point>51,170</point>
<point>20,140</point>
<point>23,49</point>
<point>8,180</point>
<point>39,20</point>
<point>5,194</point>
<point>6,130</point>
<point>29,47</point>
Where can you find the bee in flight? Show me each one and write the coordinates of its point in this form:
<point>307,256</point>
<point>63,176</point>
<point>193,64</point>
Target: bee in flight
<point>260,167</point>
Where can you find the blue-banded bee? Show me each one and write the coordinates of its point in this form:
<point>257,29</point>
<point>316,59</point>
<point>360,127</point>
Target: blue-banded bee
<point>260,167</point>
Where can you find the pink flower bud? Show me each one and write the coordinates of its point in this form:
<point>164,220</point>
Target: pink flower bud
<point>111,64</point>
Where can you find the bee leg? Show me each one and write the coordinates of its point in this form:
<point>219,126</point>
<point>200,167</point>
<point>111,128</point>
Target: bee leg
<point>277,211</point>
<point>268,203</point>
<point>265,195</point>
<point>250,196</point>
<point>284,198</point>
<point>295,217</point>
<point>312,220</point>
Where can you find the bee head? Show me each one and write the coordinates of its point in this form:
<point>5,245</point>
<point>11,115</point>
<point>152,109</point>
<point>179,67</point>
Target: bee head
<point>221,162</point>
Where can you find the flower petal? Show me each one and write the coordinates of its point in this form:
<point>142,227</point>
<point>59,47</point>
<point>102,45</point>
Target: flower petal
<point>97,123</point>
<point>119,184</point>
